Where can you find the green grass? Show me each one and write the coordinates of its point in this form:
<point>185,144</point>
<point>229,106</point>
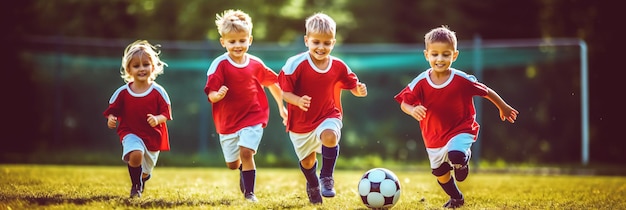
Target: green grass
<point>107,187</point>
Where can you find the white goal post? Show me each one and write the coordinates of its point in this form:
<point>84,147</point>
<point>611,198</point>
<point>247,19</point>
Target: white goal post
<point>478,43</point>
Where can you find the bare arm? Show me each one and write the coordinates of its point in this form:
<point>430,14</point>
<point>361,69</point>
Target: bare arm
<point>216,96</point>
<point>360,90</point>
<point>507,112</point>
<point>155,120</point>
<point>277,93</point>
<point>303,102</point>
<point>418,112</point>
<point>111,121</point>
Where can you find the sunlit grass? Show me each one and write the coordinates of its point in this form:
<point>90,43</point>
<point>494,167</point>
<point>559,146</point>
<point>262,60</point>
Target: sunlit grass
<point>105,187</point>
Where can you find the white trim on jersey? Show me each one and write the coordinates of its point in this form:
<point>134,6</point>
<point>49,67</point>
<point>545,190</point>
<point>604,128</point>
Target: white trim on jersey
<point>424,75</point>
<point>293,62</point>
<point>117,93</point>
<point>465,75</point>
<point>314,67</point>
<point>225,56</point>
<point>216,61</point>
<point>154,85</point>
<point>163,92</point>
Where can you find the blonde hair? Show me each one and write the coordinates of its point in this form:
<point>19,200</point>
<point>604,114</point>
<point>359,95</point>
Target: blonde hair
<point>441,34</point>
<point>233,21</point>
<point>320,23</point>
<point>141,47</point>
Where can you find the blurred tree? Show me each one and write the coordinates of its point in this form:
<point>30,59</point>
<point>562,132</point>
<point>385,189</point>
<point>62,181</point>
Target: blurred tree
<point>367,21</point>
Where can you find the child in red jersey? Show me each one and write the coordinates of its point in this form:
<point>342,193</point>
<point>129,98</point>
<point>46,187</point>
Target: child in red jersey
<point>440,98</point>
<point>235,88</point>
<point>139,110</point>
<point>312,82</point>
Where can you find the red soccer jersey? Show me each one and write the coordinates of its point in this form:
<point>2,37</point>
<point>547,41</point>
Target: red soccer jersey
<point>450,106</point>
<point>132,109</point>
<point>300,77</point>
<point>245,103</point>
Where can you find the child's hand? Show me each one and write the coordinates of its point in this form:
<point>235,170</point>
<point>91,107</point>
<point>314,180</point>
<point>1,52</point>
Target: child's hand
<point>153,120</point>
<point>508,114</point>
<point>361,89</point>
<point>418,112</point>
<point>111,121</point>
<point>304,103</point>
<point>221,93</point>
<point>216,96</point>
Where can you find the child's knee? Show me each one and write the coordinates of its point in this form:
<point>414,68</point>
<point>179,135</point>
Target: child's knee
<point>246,153</point>
<point>457,157</point>
<point>442,170</point>
<point>329,138</point>
<point>135,158</point>
<point>309,161</point>
<point>233,165</point>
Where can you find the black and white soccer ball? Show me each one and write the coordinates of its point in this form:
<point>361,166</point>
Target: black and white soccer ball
<point>379,188</point>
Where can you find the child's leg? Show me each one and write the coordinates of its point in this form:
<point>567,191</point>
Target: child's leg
<point>460,161</point>
<point>459,153</point>
<point>306,145</point>
<point>134,165</point>
<point>309,167</point>
<point>445,180</point>
<point>329,133</point>
<point>248,170</point>
<point>149,161</point>
<point>134,170</point>
<point>441,169</point>
<point>330,151</point>
<point>133,151</point>
<point>248,142</point>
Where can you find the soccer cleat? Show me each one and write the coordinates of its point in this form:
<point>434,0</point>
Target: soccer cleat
<point>327,184</point>
<point>251,197</point>
<point>454,203</point>
<point>314,194</point>
<point>135,191</point>
<point>143,182</point>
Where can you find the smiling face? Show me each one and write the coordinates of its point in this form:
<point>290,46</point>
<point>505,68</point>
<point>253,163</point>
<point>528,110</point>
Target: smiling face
<point>320,45</point>
<point>440,55</point>
<point>140,67</point>
<point>236,43</point>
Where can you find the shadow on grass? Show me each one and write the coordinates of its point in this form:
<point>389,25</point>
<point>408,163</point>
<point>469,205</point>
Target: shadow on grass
<point>115,200</point>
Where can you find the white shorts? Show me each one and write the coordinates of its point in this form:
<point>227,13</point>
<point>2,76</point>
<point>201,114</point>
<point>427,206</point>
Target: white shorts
<point>306,143</point>
<point>462,142</point>
<point>132,142</point>
<point>248,137</point>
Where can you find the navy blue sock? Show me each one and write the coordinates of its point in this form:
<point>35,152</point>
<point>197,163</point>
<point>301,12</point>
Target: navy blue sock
<point>451,189</point>
<point>249,178</point>
<point>457,157</point>
<point>329,158</point>
<point>135,175</point>
<point>310,175</point>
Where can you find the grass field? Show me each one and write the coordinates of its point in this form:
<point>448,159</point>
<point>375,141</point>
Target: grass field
<point>107,187</point>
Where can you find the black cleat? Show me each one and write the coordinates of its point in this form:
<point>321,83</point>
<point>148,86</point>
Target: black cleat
<point>314,194</point>
<point>454,203</point>
<point>328,184</point>
<point>135,191</point>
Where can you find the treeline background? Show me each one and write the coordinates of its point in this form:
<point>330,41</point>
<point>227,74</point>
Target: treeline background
<point>63,61</point>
